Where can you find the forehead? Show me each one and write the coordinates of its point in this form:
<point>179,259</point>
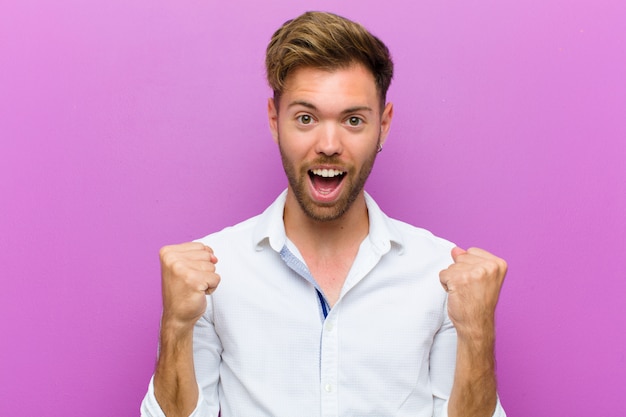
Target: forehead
<point>339,88</point>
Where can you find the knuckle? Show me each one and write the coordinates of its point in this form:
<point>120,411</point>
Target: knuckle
<point>164,251</point>
<point>491,267</point>
<point>486,267</point>
<point>167,259</point>
<point>178,267</point>
<point>212,284</point>
<point>168,254</point>
<point>197,246</point>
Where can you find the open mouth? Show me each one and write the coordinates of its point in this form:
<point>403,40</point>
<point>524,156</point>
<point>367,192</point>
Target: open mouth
<point>326,181</point>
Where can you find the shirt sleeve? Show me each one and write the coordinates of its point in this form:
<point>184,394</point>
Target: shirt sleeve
<point>442,366</point>
<point>150,407</point>
<point>207,356</point>
<point>499,411</point>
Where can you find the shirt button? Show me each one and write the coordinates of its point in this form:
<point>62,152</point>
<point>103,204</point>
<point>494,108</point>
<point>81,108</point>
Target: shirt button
<point>328,388</point>
<point>329,326</point>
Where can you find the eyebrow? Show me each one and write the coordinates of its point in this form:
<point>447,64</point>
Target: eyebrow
<point>313,107</point>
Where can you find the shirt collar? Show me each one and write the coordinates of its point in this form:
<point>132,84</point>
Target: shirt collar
<point>383,232</point>
<point>270,227</point>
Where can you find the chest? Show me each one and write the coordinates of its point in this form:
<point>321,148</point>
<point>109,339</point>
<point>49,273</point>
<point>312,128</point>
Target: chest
<point>370,352</point>
<point>330,274</point>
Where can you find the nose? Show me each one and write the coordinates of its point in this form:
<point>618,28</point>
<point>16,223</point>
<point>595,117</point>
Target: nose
<point>329,140</point>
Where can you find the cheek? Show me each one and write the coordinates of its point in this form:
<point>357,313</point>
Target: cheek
<point>289,153</point>
<point>363,146</point>
<point>294,143</point>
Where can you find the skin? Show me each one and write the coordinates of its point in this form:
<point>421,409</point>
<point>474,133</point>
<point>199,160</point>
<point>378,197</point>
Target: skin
<point>473,284</point>
<point>187,276</point>
<point>330,120</point>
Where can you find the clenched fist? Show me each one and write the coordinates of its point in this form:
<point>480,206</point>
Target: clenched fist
<point>188,275</point>
<point>473,284</point>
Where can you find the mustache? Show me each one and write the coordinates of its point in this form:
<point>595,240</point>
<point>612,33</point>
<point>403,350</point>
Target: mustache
<point>326,160</point>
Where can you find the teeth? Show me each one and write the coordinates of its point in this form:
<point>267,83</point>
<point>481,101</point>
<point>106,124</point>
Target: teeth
<point>327,173</point>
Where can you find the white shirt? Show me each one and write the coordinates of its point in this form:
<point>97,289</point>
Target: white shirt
<point>268,344</point>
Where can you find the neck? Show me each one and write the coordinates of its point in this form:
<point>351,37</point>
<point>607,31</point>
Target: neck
<point>326,236</point>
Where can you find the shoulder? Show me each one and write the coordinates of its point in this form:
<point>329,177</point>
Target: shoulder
<point>415,234</point>
<point>419,246</point>
<point>233,236</point>
<point>250,232</point>
<point>407,237</point>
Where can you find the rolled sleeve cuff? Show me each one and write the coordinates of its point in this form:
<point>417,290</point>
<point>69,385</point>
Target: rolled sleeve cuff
<point>151,408</point>
<point>498,412</point>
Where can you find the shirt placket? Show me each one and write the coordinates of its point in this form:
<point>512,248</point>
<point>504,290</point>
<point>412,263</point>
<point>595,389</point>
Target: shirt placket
<point>366,259</point>
<point>329,364</point>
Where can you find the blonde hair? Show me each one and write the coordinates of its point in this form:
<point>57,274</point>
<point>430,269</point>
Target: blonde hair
<point>325,41</point>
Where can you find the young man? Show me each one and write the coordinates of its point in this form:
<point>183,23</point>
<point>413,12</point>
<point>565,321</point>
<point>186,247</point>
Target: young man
<point>323,305</point>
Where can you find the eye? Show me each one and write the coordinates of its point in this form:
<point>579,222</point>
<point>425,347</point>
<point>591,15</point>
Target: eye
<point>354,121</point>
<point>305,119</point>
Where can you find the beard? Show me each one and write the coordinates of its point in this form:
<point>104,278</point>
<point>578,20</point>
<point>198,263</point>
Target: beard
<point>354,181</point>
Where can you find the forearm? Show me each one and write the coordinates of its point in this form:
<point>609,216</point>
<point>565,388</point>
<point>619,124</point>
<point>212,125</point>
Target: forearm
<point>474,389</point>
<point>473,285</point>
<point>175,386</point>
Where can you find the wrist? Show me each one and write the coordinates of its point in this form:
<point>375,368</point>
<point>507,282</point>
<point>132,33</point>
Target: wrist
<point>173,328</point>
<point>482,330</point>
<point>475,336</point>
<point>476,346</point>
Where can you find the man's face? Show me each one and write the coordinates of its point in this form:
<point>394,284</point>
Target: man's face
<point>328,128</point>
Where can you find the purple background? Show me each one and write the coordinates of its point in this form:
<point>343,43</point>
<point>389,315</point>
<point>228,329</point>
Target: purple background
<point>127,125</point>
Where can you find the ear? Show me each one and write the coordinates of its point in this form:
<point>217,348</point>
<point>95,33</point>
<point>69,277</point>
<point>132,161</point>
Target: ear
<point>272,117</point>
<point>385,122</point>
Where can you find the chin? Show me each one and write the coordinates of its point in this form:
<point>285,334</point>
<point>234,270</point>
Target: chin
<point>326,212</point>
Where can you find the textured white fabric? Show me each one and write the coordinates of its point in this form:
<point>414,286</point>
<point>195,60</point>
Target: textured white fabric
<point>264,347</point>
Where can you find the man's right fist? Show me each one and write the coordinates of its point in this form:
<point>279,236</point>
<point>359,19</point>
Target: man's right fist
<point>188,275</point>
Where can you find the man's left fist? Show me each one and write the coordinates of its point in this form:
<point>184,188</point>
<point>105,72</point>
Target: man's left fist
<point>473,285</point>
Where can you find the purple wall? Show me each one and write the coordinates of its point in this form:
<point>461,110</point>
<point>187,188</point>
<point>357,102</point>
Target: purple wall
<point>127,125</point>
